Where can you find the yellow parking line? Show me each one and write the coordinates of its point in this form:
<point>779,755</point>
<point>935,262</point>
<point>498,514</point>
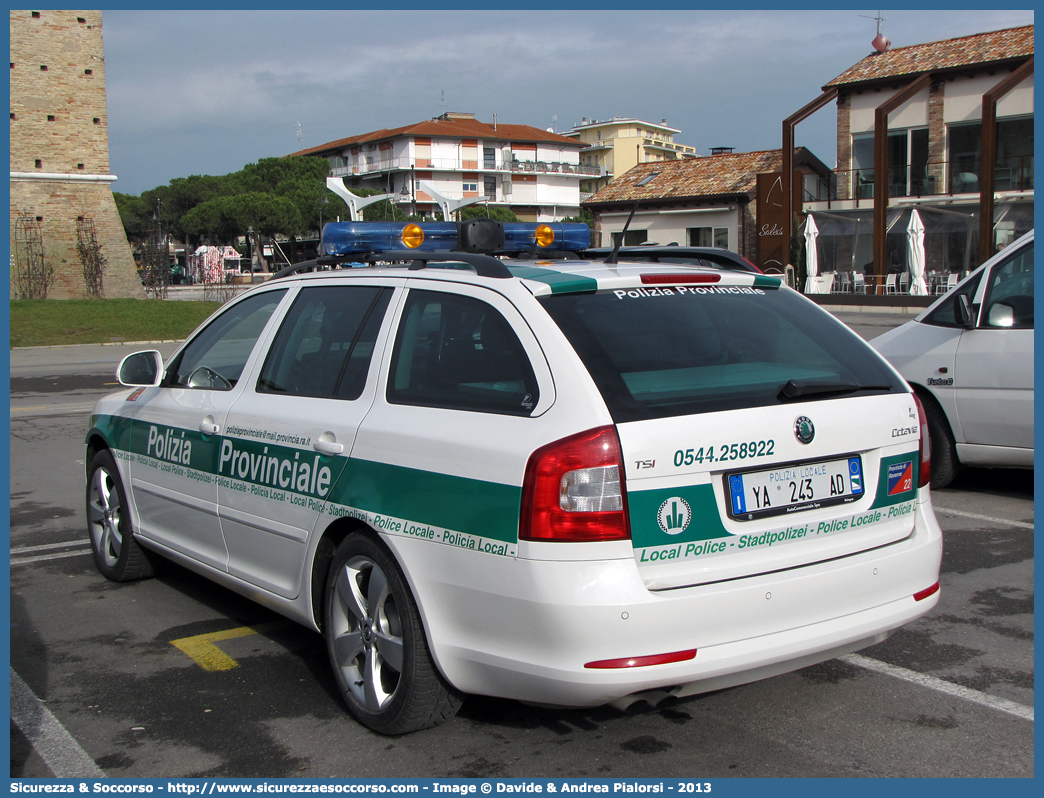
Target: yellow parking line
<point>203,651</point>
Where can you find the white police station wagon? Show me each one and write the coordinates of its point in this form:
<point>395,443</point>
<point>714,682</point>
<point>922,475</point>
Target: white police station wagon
<point>559,481</point>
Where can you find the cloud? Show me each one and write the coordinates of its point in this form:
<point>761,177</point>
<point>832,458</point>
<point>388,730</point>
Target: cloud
<point>722,77</point>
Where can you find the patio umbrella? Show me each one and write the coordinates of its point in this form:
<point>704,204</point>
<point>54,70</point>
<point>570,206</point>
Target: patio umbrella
<point>811,256</point>
<point>915,243</point>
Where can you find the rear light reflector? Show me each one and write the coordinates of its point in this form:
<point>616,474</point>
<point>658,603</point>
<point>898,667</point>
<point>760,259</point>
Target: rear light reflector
<point>926,446</point>
<point>573,490</point>
<point>642,662</point>
<point>673,279</point>
<point>928,591</point>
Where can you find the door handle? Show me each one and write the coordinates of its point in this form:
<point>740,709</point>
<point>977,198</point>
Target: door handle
<point>208,427</point>
<point>325,445</point>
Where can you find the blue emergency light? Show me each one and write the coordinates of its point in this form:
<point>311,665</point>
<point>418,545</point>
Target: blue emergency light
<point>477,235</point>
<point>519,236</point>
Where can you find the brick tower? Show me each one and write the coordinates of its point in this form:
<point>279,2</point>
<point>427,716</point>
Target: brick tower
<point>61,188</point>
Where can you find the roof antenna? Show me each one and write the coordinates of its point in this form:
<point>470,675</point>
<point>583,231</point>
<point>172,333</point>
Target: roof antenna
<point>880,41</point>
<point>623,233</point>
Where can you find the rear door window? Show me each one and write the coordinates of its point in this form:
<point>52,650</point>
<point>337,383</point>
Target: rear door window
<point>325,343</point>
<point>678,351</point>
<point>460,353</point>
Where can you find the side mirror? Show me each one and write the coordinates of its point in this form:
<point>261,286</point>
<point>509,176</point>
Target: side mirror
<point>962,313</point>
<point>142,369</point>
<point>1001,315</point>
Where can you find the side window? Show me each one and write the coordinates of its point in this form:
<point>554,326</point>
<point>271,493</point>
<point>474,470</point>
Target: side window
<point>216,357</point>
<point>457,352</point>
<point>946,314</point>
<point>1009,296</point>
<point>325,343</point>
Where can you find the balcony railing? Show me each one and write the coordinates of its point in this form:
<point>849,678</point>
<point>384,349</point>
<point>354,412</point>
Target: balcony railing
<point>937,178</point>
<point>455,165</point>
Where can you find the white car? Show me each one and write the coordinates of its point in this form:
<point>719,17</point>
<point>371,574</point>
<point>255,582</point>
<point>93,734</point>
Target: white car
<point>565,482</point>
<point>969,358</point>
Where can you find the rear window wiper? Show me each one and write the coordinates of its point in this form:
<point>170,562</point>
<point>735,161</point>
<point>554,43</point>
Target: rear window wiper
<point>802,389</point>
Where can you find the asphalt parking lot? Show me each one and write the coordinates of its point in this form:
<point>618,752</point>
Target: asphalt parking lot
<point>175,676</point>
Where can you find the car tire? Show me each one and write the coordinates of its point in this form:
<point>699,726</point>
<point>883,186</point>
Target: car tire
<point>116,552</point>
<point>377,645</point>
<point>945,464</point>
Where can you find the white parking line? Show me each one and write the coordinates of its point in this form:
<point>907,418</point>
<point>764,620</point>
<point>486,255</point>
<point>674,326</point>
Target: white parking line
<point>942,686</point>
<point>50,410</point>
<point>45,546</point>
<point>990,518</point>
<point>49,738</point>
<point>58,556</point>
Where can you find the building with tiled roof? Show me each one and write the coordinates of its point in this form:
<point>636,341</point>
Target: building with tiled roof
<point>534,172</point>
<point>997,48</point>
<point>617,144</point>
<point>935,143</point>
<point>706,201</point>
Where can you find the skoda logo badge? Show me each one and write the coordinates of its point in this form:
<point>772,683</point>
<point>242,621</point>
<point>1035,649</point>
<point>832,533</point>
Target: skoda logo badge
<point>674,515</point>
<point>804,429</point>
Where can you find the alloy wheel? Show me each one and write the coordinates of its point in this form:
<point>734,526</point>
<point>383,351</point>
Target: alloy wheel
<point>104,514</point>
<point>367,633</point>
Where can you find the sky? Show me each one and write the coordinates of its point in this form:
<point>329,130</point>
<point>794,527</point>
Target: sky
<point>207,92</point>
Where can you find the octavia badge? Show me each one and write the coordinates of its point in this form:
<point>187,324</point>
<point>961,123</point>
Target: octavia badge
<point>804,429</point>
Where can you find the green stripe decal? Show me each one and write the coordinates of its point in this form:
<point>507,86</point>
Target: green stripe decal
<point>487,509</point>
<point>760,281</point>
<point>116,430</point>
<point>393,499</point>
<point>560,283</point>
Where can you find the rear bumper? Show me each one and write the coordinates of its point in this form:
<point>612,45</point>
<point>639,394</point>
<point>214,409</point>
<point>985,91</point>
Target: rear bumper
<point>524,629</point>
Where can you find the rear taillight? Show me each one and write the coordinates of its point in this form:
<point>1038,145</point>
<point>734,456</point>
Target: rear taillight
<point>573,490</point>
<point>926,446</point>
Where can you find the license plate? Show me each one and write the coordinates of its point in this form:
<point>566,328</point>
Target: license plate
<point>794,488</point>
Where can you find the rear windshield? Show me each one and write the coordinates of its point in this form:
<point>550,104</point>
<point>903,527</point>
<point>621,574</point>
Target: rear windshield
<point>656,353</point>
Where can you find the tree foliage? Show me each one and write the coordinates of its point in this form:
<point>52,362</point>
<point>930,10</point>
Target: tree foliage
<point>496,212</point>
<point>585,216</point>
<point>275,196</point>
<point>227,217</point>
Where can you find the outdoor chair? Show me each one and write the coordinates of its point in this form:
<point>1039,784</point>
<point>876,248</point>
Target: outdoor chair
<point>951,281</point>
<point>890,284</point>
<point>858,283</point>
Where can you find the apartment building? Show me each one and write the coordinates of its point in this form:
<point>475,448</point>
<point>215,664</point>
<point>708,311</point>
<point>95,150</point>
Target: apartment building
<point>534,172</point>
<point>616,145</point>
<point>943,104</point>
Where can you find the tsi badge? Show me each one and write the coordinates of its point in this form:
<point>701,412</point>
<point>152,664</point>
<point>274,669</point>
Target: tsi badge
<point>674,515</point>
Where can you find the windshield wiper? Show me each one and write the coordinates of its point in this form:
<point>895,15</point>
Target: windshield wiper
<point>802,389</point>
